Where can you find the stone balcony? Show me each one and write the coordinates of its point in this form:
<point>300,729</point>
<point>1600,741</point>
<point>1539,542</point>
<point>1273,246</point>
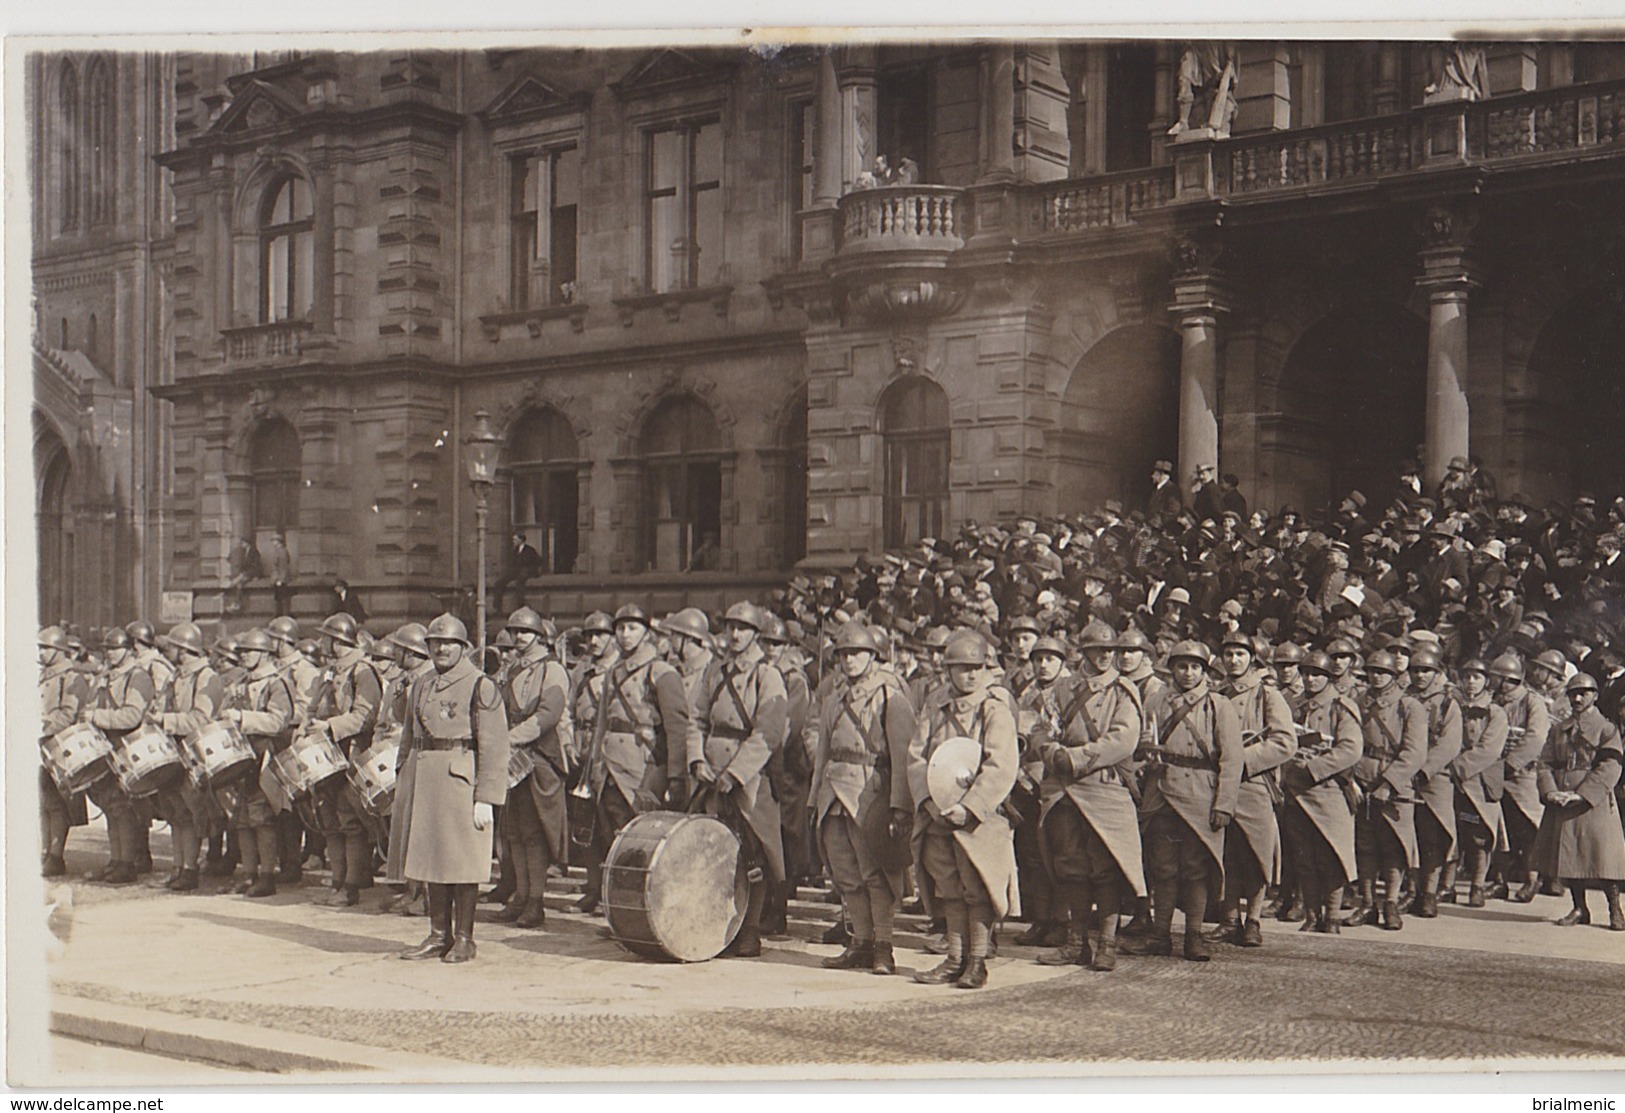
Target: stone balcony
<point>279,342</point>
<point>910,218</point>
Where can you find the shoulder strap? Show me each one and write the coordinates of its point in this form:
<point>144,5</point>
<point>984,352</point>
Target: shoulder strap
<point>1175,719</point>
<point>739,704</point>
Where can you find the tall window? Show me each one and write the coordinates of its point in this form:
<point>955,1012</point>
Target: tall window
<point>546,194</point>
<point>1131,84</point>
<point>99,98</point>
<point>68,165</point>
<point>287,252</point>
<point>683,206</point>
<point>543,467</point>
<point>274,460</point>
<point>903,105</point>
<point>682,518</point>
<point>56,557</point>
<point>802,140</point>
<point>795,481</point>
<point>914,426</point>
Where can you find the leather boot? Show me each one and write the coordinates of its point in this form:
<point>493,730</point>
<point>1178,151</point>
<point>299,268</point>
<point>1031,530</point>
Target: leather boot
<point>975,975</point>
<point>534,915</point>
<point>463,899</point>
<point>1252,935</point>
<point>1033,936</point>
<point>1197,949</point>
<point>54,866</point>
<point>264,885</point>
<point>1427,906</point>
<point>1159,943</point>
<point>438,941</point>
<point>837,933</point>
<point>885,963</point>
<point>510,912</point>
<point>1475,897</point>
<point>1074,952</point>
<point>1574,916</point>
<point>1103,955</point>
<point>1391,919</point>
<point>748,943</point>
<point>185,881</point>
<point>1228,930</point>
<point>1526,892</point>
<point>856,956</point>
<point>1616,914</point>
<point>948,970</point>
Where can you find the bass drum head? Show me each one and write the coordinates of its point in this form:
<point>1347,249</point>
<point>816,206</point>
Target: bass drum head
<point>694,887</point>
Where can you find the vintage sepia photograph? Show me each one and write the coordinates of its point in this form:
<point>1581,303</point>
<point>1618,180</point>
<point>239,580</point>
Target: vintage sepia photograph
<point>816,555</point>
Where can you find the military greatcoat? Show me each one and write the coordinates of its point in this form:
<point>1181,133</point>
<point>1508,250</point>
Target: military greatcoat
<point>647,729</point>
<point>63,693</point>
<point>1477,769</point>
<point>1198,738</point>
<point>535,691</point>
<point>1528,723</point>
<point>740,723</point>
<point>1268,741</point>
<point>1395,728</point>
<point>1583,841</point>
<point>1331,723</point>
<point>1434,788</point>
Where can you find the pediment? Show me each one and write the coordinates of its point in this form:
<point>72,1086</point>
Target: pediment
<point>258,106</point>
<point>530,97</point>
<point>670,68</point>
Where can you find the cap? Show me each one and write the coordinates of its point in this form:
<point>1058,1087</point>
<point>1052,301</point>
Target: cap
<point>1164,466</point>
<point>1457,463</point>
<point>340,627</point>
<point>447,628</point>
<point>1179,595</point>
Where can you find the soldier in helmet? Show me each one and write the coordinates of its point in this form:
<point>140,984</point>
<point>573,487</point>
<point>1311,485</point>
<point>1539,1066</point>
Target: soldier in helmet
<point>262,707</point>
<point>1528,723</point>
<point>189,703</point>
<point>1580,838</point>
<point>1546,676</point>
<point>1039,703</point>
<point>345,709</point>
<point>303,677</point>
<point>1087,822</point>
<point>586,694</point>
<point>410,640</point>
<point>458,733</point>
<point>1253,843</point>
<point>1023,633</point>
<point>1395,744</point>
<point>740,723</point>
<point>966,849</point>
<point>1193,749</point>
<point>689,633</point>
<point>1317,818</point>
<point>1134,661</point>
<point>1287,660</point>
<point>1344,657</point>
<point>148,656</point>
<point>119,705</point>
<point>1436,819</point>
<point>860,797</point>
<point>1476,773</point>
<point>932,673</point>
<point>63,693</point>
<point>790,770</point>
<point>535,690</point>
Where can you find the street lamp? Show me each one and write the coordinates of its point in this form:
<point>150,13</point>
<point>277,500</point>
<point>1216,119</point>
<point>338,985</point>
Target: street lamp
<point>483,446</point>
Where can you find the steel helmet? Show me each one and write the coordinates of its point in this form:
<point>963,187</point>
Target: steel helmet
<point>631,613</point>
<point>447,628</point>
<point>409,638</point>
<point>690,622</point>
<point>1341,647</point>
<point>187,636</point>
<point>598,623</point>
<point>382,649</point>
<point>141,631</point>
<point>1236,637</point>
<point>743,614</point>
<point>526,619</point>
<point>1426,657</point>
<point>1191,650</point>
<point>257,640</point>
<point>225,647</point>
<point>284,629</point>
<point>1551,659</point>
<point>1474,664</point>
<point>364,640</point>
<point>308,647</point>
<point>503,640</point>
<point>1134,639</point>
<point>1382,661</point>
<point>340,627</point>
<point>854,635</point>
<point>1097,635</point>
<point>773,628</point>
<point>1023,622</point>
<point>1287,653</point>
<point>1508,667</point>
<point>965,647</point>
<point>1316,661</point>
<point>937,638</point>
<point>52,637</point>
<point>1581,682</point>
<point>1053,646</point>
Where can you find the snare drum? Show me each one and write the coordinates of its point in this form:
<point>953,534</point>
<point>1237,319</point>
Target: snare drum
<point>222,752</point>
<point>373,772</point>
<point>675,887</point>
<point>76,757</point>
<point>520,765</point>
<point>146,760</point>
<point>312,760</point>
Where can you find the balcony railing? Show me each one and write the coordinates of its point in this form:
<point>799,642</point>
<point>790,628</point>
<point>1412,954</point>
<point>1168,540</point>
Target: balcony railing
<point>1081,204</point>
<point>1314,156</point>
<point>1570,118</point>
<point>894,218</point>
<point>281,340</point>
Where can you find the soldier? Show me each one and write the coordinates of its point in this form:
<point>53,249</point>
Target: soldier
<point>535,690</point>
<point>1476,773</point>
<point>1343,656</point>
<point>1023,633</point>
<point>1039,703</point>
<point>587,693</point>
<point>456,729</point>
<point>345,709</point>
<point>262,707</point>
<point>1580,838</point>
<point>1436,820</point>
<point>303,679</point>
<point>739,725</point>
<point>967,850</point>
<point>932,673</point>
<point>187,705</point>
<point>1528,723</point>
<point>64,691</point>
<point>119,706</point>
<point>392,709</point>
<point>1318,816</point>
<point>1085,740</point>
<point>689,632</point>
<point>1193,745</point>
<point>1395,745</point>
<point>860,796</point>
<point>1546,673</point>
<point>144,641</point>
<point>1135,665</point>
<point>1287,660</point>
<point>790,771</point>
<point>1252,846</point>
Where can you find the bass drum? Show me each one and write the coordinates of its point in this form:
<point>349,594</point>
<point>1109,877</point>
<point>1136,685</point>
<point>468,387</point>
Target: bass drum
<point>674,886</point>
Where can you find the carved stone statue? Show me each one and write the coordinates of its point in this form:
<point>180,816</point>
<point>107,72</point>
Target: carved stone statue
<point>1207,83</point>
<point>1461,73</point>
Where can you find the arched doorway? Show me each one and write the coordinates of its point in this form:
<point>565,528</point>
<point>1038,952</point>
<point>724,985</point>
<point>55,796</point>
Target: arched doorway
<point>1120,415</point>
<point>54,474</point>
<point>1578,362</point>
<point>1354,403</point>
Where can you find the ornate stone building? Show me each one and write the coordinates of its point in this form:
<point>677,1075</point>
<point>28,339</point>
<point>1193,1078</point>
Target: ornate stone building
<point>713,351</point>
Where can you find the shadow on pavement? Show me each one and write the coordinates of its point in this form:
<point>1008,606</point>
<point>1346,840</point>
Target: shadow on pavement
<point>321,939</point>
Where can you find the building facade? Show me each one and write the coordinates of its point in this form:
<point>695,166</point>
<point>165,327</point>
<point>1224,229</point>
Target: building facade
<point>715,346</point>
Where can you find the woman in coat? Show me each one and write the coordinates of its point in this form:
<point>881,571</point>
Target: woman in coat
<point>1580,838</point>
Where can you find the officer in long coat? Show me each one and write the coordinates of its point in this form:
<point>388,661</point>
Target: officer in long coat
<point>1037,702</point>
<point>345,709</point>
<point>739,725</point>
<point>1435,791</point>
<point>1528,722</point>
<point>262,707</point>
<point>535,690</point>
<point>1193,746</point>
<point>1090,834</point>
<point>118,707</point>
<point>457,729</point>
<point>1476,772</point>
<point>1580,838</point>
<point>790,770</point>
<point>63,692</point>
<point>188,704</point>
<point>967,850</point>
<point>415,664</point>
<point>1395,728</point>
<point>859,799</point>
<point>1318,815</point>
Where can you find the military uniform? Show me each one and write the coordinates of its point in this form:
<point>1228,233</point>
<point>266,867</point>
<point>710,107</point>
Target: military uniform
<point>1396,739</point>
<point>1036,702</point>
<point>346,708</point>
<point>1252,844</point>
<point>535,691</point>
<point>265,704</point>
<point>1435,791</point>
<point>63,694</point>
<point>1528,723</point>
<point>392,711</point>
<point>1476,773</point>
<point>790,772</point>
<point>189,703</point>
<point>1582,842</point>
<point>120,701</point>
<point>1318,813</point>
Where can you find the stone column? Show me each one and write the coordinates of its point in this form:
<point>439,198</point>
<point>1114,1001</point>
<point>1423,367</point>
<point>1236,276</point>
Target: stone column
<point>1198,303</point>
<point>855,71</point>
<point>1447,277</point>
<point>998,113</point>
<point>827,125</point>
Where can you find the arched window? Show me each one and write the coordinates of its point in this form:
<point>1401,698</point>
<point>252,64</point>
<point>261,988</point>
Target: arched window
<point>682,488</point>
<point>99,110</point>
<point>914,426</point>
<point>274,462</point>
<point>543,466</point>
<point>68,166</point>
<point>55,509</point>
<point>795,480</point>
<point>287,251</point>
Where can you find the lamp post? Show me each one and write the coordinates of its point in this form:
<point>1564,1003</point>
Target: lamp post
<point>483,445</point>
